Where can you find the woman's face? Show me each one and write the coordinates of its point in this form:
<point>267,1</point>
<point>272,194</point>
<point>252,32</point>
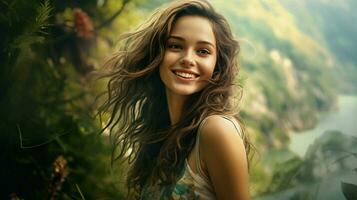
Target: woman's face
<point>190,56</point>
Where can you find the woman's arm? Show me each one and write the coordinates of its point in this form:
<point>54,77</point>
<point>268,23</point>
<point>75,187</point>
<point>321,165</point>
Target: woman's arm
<point>224,157</point>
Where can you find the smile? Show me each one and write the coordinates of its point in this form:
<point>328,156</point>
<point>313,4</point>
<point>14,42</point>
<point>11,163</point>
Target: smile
<point>185,75</point>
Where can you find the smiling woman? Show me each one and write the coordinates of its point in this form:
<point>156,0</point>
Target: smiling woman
<point>170,95</point>
<point>190,56</point>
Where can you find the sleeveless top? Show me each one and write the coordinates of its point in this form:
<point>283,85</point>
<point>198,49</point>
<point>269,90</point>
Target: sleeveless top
<point>190,185</point>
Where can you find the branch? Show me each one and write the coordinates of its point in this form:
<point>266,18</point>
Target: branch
<point>22,146</point>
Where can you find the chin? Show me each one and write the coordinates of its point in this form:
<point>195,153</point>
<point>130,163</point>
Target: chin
<point>185,91</point>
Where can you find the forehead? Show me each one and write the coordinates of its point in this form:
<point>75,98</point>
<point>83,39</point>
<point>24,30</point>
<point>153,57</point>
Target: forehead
<point>194,28</point>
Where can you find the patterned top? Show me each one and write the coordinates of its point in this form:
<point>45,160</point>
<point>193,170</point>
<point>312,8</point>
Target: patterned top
<point>190,185</point>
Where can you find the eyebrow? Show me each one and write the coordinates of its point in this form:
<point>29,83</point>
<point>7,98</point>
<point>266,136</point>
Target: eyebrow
<point>182,39</point>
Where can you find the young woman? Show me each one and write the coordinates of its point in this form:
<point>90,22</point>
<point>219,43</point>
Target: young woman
<point>170,97</point>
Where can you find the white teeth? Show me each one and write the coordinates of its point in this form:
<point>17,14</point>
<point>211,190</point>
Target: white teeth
<point>185,75</point>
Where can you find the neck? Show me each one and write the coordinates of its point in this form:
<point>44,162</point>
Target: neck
<point>175,104</point>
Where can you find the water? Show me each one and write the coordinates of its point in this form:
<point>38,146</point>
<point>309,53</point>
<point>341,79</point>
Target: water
<point>344,120</point>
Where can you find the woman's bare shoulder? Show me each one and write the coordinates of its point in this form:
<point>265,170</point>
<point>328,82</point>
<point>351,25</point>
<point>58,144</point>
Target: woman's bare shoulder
<point>224,156</point>
<point>217,126</point>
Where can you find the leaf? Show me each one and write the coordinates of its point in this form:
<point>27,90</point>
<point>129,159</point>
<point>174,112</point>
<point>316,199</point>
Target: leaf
<point>41,20</point>
<point>349,191</point>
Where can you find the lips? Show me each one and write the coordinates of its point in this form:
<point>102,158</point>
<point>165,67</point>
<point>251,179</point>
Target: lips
<point>186,74</point>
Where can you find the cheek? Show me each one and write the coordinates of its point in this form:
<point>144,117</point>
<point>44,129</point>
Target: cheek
<point>209,67</point>
<point>169,58</point>
<point>164,66</point>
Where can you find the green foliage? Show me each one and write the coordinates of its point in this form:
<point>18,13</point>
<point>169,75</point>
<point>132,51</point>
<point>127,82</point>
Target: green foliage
<point>47,105</point>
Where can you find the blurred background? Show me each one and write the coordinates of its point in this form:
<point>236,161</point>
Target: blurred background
<point>298,70</point>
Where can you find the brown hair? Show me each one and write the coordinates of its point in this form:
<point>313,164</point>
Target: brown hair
<point>139,120</point>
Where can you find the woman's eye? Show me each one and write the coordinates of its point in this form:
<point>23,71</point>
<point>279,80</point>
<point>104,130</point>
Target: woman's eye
<point>174,46</point>
<point>203,51</point>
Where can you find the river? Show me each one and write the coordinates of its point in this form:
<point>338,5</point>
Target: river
<point>344,119</point>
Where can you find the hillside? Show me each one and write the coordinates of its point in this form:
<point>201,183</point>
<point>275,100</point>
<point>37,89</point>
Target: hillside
<point>286,73</point>
<point>332,23</point>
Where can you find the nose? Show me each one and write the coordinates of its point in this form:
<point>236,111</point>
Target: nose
<point>187,59</point>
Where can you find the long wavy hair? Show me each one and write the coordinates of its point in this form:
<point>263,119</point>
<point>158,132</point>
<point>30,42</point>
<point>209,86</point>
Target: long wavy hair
<point>139,122</point>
